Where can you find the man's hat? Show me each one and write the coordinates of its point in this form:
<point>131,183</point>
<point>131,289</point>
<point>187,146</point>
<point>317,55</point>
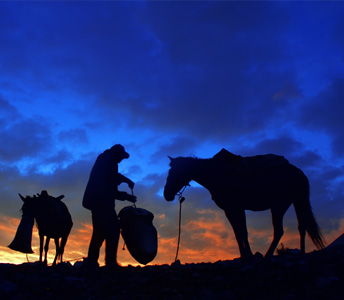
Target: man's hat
<point>119,149</point>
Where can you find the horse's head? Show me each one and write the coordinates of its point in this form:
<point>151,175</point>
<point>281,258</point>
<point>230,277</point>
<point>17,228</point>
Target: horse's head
<point>177,177</point>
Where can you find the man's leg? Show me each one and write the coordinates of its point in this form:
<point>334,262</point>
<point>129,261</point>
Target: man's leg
<point>111,239</point>
<point>98,236</point>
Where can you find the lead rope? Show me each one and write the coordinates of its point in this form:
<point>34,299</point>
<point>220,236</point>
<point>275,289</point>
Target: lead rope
<point>132,193</point>
<point>181,200</point>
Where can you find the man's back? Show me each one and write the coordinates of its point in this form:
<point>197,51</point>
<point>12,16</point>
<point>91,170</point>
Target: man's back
<point>101,188</point>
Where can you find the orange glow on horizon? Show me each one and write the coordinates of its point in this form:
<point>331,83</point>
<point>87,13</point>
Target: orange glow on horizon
<point>208,238</point>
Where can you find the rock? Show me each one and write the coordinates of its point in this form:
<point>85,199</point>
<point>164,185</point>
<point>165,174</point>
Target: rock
<point>7,287</point>
<point>316,275</point>
<point>338,242</point>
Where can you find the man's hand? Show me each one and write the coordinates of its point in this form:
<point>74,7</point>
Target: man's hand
<point>125,196</point>
<point>131,198</point>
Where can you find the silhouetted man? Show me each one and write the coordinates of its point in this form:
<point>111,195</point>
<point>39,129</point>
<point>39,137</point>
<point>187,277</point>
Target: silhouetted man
<point>100,194</point>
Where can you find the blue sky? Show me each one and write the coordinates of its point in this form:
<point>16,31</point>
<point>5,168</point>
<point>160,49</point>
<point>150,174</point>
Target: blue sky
<point>170,78</point>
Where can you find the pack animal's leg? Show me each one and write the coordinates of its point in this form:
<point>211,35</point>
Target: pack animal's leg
<point>277,221</point>
<point>62,246</point>
<point>58,251</point>
<point>237,218</point>
<point>46,248</point>
<point>41,242</point>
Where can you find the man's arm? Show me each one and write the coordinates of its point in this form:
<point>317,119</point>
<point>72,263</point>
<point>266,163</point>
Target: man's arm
<point>122,178</point>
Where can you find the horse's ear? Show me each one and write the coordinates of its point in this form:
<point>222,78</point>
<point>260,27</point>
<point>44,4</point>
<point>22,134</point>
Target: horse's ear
<point>171,159</point>
<point>21,197</point>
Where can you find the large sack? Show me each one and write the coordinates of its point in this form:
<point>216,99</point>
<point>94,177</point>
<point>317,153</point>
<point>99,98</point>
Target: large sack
<point>139,233</point>
<point>23,237</point>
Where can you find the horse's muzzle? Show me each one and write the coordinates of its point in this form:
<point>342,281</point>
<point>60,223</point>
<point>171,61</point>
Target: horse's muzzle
<point>168,197</point>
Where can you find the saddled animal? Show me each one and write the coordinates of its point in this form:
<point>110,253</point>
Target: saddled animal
<point>53,222</point>
<point>255,183</point>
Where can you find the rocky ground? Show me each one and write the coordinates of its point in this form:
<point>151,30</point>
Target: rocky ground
<point>317,275</point>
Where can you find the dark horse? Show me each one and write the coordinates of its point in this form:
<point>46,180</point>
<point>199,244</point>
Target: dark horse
<point>255,183</point>
<point>53,221</point>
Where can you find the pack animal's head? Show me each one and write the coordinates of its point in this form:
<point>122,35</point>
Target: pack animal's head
<point>30,205</point>
<point>38,203</point>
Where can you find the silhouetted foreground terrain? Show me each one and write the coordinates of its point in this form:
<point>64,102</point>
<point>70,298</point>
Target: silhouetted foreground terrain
<point>317,275</point>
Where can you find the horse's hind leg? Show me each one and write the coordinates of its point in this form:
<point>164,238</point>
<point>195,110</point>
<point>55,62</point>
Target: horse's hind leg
<point>302,229</point>
<point>277,221</point>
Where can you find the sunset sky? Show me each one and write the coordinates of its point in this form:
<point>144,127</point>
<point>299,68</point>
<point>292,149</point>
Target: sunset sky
<point>169,78</point>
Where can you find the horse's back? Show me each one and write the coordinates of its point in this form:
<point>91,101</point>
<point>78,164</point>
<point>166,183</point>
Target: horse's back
<point>259,183</point>
<point>262,163</point>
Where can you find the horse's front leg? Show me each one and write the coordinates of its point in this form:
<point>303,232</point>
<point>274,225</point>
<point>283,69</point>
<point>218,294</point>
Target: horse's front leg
<point>46,248</point>
<point>237,218</point>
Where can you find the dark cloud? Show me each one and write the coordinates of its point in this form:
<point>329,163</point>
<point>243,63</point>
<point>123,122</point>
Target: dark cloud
<point>177,146</point>
<point>24,138</point>
<point>8,112</point>
<point>73,136</point>
<point>202,87</point>
<point>324,113</point>
<point>282,145</point>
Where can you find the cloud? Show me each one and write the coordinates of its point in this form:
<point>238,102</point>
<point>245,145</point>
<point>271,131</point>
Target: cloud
<point>170,78</point>
<point>323,113</point>
<point>24,138</point>
<point>288,91</point>
<point>73,136</point>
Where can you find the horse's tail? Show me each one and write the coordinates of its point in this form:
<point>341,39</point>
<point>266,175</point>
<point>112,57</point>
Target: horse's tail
<point>306,217</point>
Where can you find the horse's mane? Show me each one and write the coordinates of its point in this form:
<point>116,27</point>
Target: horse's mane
<point>189,163</point>
<point>220,157</point>
<point>186,159</point>
<point>220,162</point>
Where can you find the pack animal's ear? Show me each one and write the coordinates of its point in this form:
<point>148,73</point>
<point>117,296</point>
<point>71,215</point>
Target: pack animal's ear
<point>171,158</point>
<point>60,197</point>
